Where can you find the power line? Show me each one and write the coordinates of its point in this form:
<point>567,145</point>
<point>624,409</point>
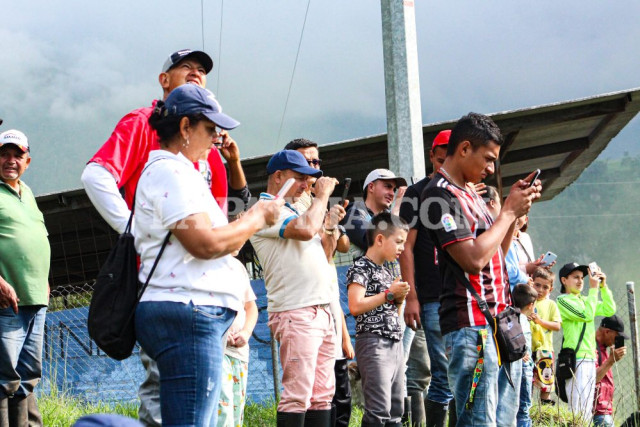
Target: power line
<point>219,49</point>
<point>286,103</point>
<point>585,216</point>
<point>202,22</point>
<point>607,183</point>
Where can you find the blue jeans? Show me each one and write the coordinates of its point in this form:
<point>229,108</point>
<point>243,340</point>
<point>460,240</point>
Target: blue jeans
<point>523,418</point>
<point>439,387</point>
<point>462,352</point>
<point>21,337</point>
<point>602,421</point>
<point>186,342</point>
<point>508,396</point>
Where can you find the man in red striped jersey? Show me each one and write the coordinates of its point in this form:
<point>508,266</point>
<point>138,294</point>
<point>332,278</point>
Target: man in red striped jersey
<point>472,244</point>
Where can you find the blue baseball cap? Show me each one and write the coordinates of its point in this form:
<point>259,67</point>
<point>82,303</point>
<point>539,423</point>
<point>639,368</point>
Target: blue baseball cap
<point>192,99</point>
<point>291,159</point>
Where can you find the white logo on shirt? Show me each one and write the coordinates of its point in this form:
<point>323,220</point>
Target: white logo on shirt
<point>448,223</point>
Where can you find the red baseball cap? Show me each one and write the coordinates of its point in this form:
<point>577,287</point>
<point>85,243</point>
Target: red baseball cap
<point>442,138</point>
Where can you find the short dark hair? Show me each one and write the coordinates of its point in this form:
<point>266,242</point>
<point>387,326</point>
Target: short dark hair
<point>544,273</point>
<point>300,143</point>
<point>476,128</point>
<point>168,126</point>
<point>491,194</point>
<point>386,224</point>
<point>523,295</point>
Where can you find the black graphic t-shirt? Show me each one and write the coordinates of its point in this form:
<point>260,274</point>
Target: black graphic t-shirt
<point>382,320</point>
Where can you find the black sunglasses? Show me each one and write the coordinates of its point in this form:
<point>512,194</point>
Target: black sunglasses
<point>314,162</point>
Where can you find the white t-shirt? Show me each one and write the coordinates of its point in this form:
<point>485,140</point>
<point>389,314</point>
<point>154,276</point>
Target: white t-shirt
<point>296,273</point>
<point>169,190</point>
<point>241,353</point>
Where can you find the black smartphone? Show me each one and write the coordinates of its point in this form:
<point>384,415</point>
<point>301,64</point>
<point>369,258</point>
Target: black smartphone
<point>345,192</point>
<point>535,177</point>
<point>619,341</point>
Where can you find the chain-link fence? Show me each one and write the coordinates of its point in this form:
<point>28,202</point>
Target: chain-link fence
<point>624,402</point>
<point>73,363</point>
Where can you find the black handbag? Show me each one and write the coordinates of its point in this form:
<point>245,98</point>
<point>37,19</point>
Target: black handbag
<point>566,366</point>
<point>116,294</point>
<point>511,344</point>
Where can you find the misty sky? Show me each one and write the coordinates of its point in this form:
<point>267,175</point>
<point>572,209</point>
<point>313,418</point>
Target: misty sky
<point>72,68</point>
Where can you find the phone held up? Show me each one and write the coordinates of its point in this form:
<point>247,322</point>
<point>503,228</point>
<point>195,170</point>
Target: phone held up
<point>345,192</point>
<point>593,268</point>
<point>619,341</point>
<point>548,258</point>
<point>537,171</point>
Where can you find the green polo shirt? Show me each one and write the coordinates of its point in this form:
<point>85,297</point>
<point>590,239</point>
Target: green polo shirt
<point>24,247</point>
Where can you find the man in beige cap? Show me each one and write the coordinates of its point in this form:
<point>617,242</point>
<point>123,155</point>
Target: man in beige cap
<point>24,290</point>
<point>379,192</point>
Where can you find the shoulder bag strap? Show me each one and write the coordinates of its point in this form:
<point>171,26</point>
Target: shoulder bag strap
<point>584,327</point>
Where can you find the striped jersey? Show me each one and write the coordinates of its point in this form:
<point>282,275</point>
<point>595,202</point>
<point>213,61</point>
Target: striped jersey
<point>452,215</point>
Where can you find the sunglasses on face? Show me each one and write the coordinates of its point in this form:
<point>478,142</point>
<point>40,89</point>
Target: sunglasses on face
<point>314,162</point>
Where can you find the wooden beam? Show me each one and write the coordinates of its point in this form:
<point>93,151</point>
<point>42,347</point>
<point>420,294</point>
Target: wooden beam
<point>546,150</point>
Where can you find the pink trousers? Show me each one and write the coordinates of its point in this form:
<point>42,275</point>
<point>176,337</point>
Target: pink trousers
<point>307,355</point>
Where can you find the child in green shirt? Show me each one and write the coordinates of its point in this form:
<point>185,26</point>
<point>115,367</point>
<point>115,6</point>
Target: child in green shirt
<point>544,321</point>
<point>577,311</point>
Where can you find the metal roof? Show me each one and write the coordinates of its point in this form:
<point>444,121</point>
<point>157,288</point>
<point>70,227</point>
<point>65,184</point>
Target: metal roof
<point>561,139</point>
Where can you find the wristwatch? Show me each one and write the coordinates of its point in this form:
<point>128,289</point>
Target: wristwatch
<point>389,295</point>
<point>328,231</point>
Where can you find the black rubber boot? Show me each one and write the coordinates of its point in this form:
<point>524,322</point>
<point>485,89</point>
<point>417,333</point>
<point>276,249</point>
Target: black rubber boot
<point>406,416</point>
<point>436,413</point>
<point>315,418</point>
<point>417,410</point>
<point>290,419</point>
<point>453,415</point>
<point>19,411</point>
<point>342,397</point>
<point>393,425</point>
<point>4,411</point>
<point>35,418</point>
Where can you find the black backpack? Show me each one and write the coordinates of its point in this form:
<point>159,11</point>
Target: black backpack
<point>116,294</point>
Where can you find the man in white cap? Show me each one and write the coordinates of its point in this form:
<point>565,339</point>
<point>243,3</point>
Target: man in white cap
<point>379,192</point>
<point>119,163</point>
<point>24,290</point>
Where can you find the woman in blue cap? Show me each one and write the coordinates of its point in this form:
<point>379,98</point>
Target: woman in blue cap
<point>192,297</point>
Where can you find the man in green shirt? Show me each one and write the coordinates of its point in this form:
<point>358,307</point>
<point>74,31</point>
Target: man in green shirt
<point>24,290</point>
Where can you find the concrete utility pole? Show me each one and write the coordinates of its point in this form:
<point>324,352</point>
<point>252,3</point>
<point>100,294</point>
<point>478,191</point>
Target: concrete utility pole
<point>402,89</point>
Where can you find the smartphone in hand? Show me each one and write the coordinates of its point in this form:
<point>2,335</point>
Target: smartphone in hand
<point>593,268</point>
<point>619,341</point>
<point>548,258</point>
<point>345,192</point>
<point>534,178</point>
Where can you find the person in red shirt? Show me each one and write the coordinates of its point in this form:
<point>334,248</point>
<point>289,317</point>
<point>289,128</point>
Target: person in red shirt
<point>119,163</point>
<point>610,328</point>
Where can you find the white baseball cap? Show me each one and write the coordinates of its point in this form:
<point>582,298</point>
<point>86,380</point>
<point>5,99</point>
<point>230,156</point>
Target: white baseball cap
<point>16,138</point>
<point>384,174</point>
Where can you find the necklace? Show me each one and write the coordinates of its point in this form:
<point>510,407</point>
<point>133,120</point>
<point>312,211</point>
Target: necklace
<point>446,175</point>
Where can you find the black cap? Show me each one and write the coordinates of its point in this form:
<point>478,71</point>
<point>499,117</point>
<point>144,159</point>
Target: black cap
<point>615,324</point>
<point>173,59</point>
<point>567,269</point>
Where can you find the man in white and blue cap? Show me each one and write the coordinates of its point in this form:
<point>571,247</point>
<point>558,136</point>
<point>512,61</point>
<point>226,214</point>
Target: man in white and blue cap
<point>293,254</point>
<point>117,165</point>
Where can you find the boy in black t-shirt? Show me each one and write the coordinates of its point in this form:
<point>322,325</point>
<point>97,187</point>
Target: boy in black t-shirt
<point>375,298</point>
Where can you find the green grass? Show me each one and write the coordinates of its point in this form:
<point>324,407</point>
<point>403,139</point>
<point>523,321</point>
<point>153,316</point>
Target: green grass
<point>60,410</point>
<point>264,415</point>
